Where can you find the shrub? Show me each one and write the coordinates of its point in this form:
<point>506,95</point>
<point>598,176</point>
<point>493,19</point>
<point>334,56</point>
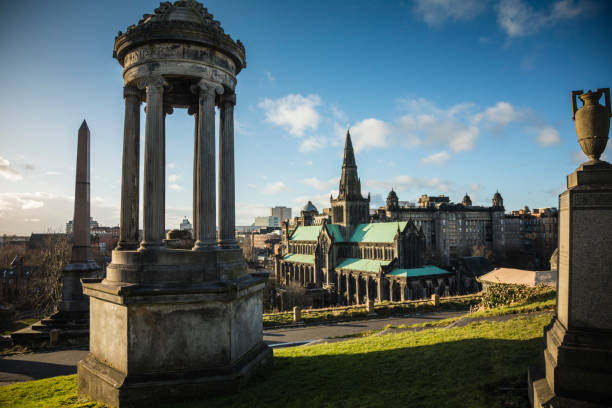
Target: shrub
<point>504,294</point>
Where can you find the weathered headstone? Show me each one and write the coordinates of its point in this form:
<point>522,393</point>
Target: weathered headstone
<point>577,370</point>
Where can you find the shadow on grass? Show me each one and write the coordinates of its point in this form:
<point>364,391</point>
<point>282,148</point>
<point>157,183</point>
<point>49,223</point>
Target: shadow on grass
<point>461,373</point>
<point>34,369</point>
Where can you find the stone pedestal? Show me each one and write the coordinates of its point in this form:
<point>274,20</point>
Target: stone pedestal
<point>182,330</point>
<point>577,369</point>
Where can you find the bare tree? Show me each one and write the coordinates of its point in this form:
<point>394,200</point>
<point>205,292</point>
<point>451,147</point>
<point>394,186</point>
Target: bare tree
<point>46,281</point>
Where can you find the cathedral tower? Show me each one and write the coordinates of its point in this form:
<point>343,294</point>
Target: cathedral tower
<point>350,209</point>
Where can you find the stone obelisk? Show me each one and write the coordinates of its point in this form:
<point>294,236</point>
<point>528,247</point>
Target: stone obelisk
<point>577,361</point>
<point>74,303</point>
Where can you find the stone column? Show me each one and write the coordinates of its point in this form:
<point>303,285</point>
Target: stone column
<point>206,230</point>
<point>379,285</point>
<point>227,210</point>
<point>358,290</point>
<point>154,166</point>
<point>194,110</point>
<point>402,291</point>
<point>128,224</point>
<point>367,288</point>
<point>391,291</point>
<point>349,295</point>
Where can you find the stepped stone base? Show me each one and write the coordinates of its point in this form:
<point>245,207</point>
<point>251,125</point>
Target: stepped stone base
<point>576,371</point>
<point>175,335</point>
<point>60,329</point>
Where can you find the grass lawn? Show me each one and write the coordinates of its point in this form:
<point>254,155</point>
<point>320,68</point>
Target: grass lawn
<point>452,367</point>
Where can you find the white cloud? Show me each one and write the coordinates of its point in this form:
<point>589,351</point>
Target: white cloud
<point>436,12</point>
<point>424,121</point>
<point>173,178</point>
<point>547,136</point>
<point>312,144</point>
<point>252,185</point>
<point>175,187</point>
<point>321,184</point>
<point>517,18</point>
<point>246,212</point>
<point>242,128</point>
<point>53,173</point>
<point>338,113</point>
<point>293,112</point>
<point>499,116</point>
<point>7,171</point>
<point>171,165</point>
<point>370,133</point>
<point>270,77</point>
<point>436,158</point>
<point>275,187</point>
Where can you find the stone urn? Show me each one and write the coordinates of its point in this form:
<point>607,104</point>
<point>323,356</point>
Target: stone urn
<point>592,121</point>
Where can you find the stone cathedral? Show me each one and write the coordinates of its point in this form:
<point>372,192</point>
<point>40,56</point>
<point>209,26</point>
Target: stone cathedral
<point>355,260</point>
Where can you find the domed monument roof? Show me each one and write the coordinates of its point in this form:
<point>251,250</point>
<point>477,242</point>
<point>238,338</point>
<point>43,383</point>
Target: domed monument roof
<point>310,207</point>
<point>467,201</point>
<point>392,195</point>
<point>497,195</point>
<point>190,32</point>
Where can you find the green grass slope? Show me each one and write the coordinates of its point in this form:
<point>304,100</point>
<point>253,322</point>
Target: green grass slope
<point>467,366</point>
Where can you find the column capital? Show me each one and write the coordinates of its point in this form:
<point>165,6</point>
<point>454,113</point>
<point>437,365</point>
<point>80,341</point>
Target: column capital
<point>131,91</point>
<point>227,98</point>
<point>156,81</point>
<point>204,86</point>
<point>192,110</point>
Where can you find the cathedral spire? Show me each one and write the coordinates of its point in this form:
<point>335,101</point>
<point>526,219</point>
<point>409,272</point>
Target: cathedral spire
<point>349,155</point>
<point>350,209</point>
<point>350,186</point>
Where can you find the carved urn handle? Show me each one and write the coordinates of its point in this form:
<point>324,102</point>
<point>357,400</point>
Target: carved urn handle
<point>575,94</point>
<point>606,94</point>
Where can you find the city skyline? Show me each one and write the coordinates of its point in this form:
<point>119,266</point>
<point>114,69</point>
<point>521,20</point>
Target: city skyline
<point>441,98</point>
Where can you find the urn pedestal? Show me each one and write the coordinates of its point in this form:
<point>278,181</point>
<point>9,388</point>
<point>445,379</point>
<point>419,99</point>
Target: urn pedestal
<point>577,361</point>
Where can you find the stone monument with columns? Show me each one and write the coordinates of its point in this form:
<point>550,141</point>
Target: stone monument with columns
<point>577,360</point>
<point>172,324</point>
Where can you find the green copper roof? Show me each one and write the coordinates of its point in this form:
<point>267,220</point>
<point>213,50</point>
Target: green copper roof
<point>377,232</point>
<point>299,258</point>
<point>363,265</point>
<point>310,233</point>
<point>426,270</point>
<point>335,231</point>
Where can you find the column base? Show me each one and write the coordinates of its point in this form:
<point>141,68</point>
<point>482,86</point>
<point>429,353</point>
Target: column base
<point>151,246</point>
<point>576,371</point>
<point>205,246</point>
<point>127,246</point>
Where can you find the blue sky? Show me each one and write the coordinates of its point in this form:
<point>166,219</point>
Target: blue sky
<point>442,97</point>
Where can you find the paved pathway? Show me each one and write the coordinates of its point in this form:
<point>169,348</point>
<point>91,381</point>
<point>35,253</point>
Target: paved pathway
<point>34,366</point>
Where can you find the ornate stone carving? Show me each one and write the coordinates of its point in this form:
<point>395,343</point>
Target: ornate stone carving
<point>152,81</point>
<point>210,88</point>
